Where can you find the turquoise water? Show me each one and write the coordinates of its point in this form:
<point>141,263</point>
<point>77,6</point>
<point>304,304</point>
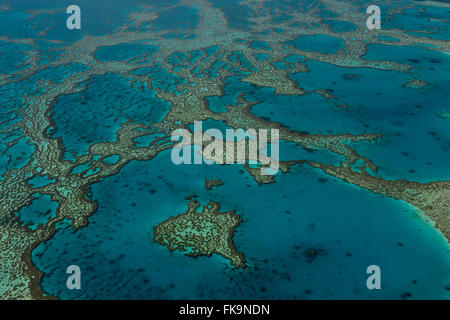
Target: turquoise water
<point>40,181</point>
<point>345,224</point>
<point>319,43</point>
<point>93,116</point>
<point>415,140</point>
<point>123,51</point>
<point>17,155</point>
<point>341,26</point>
<point>41,210</point>
<point>305,236</point>
<point>430,19</point>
